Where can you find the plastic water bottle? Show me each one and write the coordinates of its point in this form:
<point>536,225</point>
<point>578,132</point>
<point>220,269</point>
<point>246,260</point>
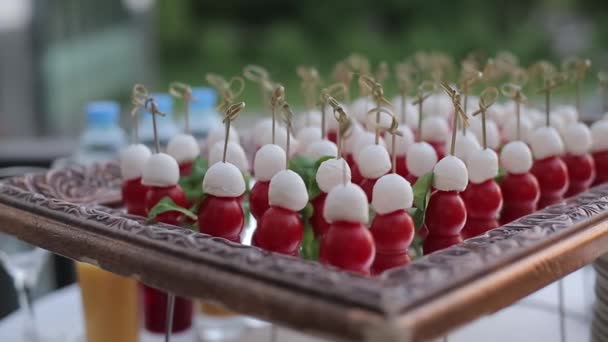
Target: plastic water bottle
<point>103,138</point>
<point>203,116</point>
<point>165,125</point>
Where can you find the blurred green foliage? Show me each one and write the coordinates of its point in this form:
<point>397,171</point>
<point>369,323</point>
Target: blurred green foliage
<point>223,36</point>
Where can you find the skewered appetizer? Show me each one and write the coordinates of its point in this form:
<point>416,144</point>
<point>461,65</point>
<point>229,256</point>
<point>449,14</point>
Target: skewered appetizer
<point>132,162</point>
<point>161,175</point>
<point>435,131</point>
<point>184,149</point>
<point>330,174</point>
<point>520,189</point>
<point>549,169</point>
<point>421,158</point>
<point>599,147</point>
<point>580,164</point>
<point>269,160</point>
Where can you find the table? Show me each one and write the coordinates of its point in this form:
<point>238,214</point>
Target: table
<point>61,311</point>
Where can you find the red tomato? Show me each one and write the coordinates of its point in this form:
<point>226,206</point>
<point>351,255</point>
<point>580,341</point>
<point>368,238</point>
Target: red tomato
<point>483,202</point>
<point>175,192</point>
<point>317,220</point>
<point>601,167</point>
<point>349,246</point>
<point>520,194</point>
<point>581,172</point>
<point>258,199</point>
<point>368,187</point>
<point>221,217</point>
<point>393,233</point>
<point>401,169</point>
<point>355,174</point>
<point>155,311</point>
<point>445,217</point>
<point>439,148</point>
<point>280,230</point>
<point>134,196</point>
<point>332,135</point>
<point>552,176</point>
<point>185,168</point>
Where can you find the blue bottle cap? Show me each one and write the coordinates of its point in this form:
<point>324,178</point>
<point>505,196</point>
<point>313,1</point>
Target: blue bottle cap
<point>204,98</point>
<point>164,103</point>
<point>102,113</point>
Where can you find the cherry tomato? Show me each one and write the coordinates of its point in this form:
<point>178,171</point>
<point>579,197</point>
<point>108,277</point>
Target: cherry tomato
<point>520,193</point>
<point>439,148</point>
<point>258,199</point>
<point>317,220</point>
<point>175,192</point>
<point>445,217</point>
<point>601,167</point>
<point>185,168</point>
<point>349,246</point>
<point>332,135</point>
<point>134,196</point>
<point>155,311</point>
<point>393,233</point>
<point>221,217</point>
<point>483,202</point>
<point>581,172</point>
<point>368,187</point>
<point>280,230</point>
<point>552,176</point>
<point>401,169</point>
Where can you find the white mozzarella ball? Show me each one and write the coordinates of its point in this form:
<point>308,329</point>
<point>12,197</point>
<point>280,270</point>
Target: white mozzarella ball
<point>269,160</point>
<point>411,113</point>
<point>183,147</point>
<point>537,117</point>
<point>516,157</point>
<point>509,129</point>
<point>439,104</point>
<point>370,121</point>
<point>482,165</point>
<point>568,114</point>
<point>348,144</point>
<point>311,118</point>
<point>374,161</point>
<point>223,180</point>
<point>360,107</point>
<point>363,140</point>
<point>421,158</point>
<point>133,160</point>
<point>260,130</point>
<point>402,142</point>
<point>391,193</point>
<point>306,136</point>
<point>492,132</point>
<point>219,134</point>
<point>346,202</point>
<point>558,123</point>
<point>498,113</point>
<point>331,173</point>
<point>287,190</point>
<point>160,170</point>
<point>322,148</point>
<point>435,128</point>
<point>577,138</point>
<point>546,142</point>
<point>465,145</point>
<point>599,135</point>
<point>234,155</point>
<point>280,138</point>
<point>450,174</point>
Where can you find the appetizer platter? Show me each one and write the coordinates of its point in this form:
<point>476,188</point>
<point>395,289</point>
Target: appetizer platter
<point>359,219</point>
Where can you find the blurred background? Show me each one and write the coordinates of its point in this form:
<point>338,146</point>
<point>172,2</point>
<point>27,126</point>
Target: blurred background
<point>57,55</point>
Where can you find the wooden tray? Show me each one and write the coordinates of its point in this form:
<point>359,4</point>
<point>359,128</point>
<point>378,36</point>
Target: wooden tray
<point>75,212</point>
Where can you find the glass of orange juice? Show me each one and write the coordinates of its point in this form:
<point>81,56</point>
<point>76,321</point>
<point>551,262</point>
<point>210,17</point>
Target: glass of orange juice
<point>110,305</point>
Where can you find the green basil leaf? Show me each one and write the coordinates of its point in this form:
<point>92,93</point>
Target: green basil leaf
<point>502,173</point>
<point>166,204</point>
<point>422,190</point>
<point>307,212</point>
<point>192,184</point>
<point>310,245</point>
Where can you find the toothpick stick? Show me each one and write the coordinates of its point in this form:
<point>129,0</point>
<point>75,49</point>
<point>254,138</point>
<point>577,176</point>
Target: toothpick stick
<point>551,82</point>
<point>458,113</point>
<point>278,97</point>
<point>377,93</point>
<point>259,75</point>
<point>514,92</point>
<point>287,116</point>
<point>184,92</point>
<point>487,99</point>
<point>425,87</point>
<point>231,113</point>
<point>141,100</point>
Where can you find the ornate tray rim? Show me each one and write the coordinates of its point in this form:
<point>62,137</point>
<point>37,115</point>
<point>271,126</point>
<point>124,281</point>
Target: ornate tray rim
<point>65,211</point>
